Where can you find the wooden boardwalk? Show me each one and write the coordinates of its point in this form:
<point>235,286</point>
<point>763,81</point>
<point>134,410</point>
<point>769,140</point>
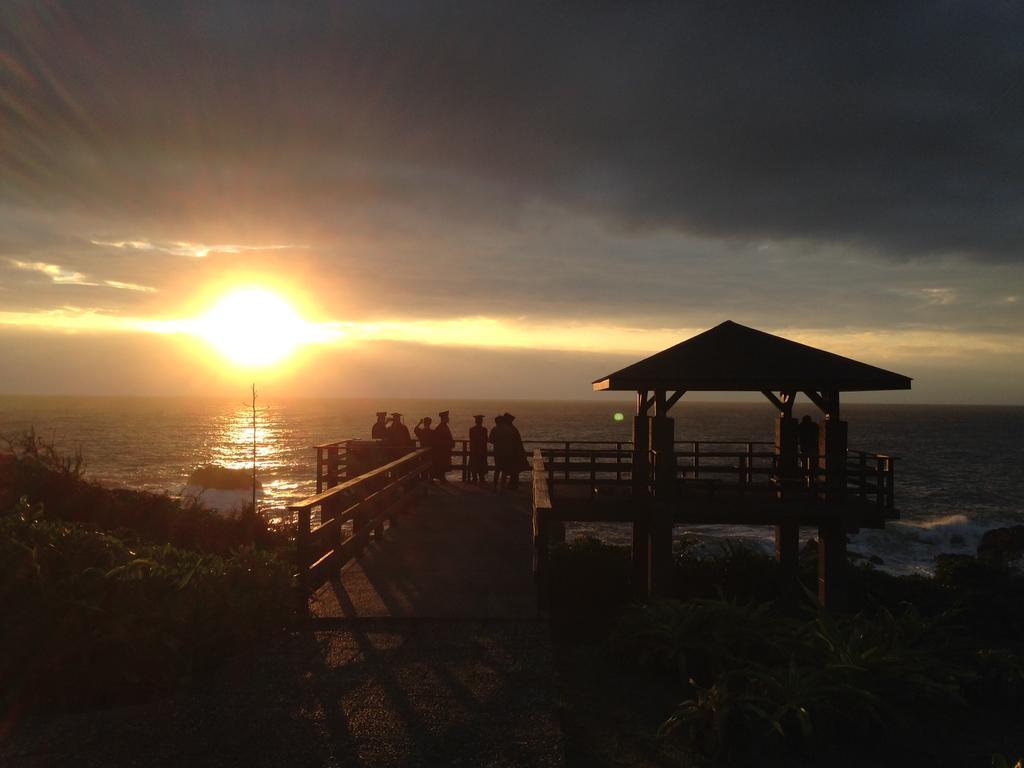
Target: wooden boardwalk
<point>427,651</point>
<point>463,553</point>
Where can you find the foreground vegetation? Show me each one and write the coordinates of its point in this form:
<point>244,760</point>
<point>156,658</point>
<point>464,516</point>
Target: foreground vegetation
<point>924,671</point>
<point>111,597</point>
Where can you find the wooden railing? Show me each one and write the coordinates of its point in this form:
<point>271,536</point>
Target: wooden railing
<point>872,475</point>
<point>716,465</point>
<point>366,502</point>
<point>708,464</point>
<point>543,522</point>
<point>331,461</point>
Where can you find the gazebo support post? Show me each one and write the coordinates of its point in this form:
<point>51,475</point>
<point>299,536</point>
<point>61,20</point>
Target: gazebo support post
<point>641,478</point>
<point>662,444</point>
<point>832,442</point>
<point>786,444</point>
<point>787,554</point>
<point>787,534</point>
<point>832,566</point>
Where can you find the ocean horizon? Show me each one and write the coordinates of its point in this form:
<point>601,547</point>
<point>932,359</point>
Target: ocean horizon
<point>957,471</point>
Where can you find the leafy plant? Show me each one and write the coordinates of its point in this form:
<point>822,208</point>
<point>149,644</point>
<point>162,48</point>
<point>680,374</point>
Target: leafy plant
<point>90,619</point>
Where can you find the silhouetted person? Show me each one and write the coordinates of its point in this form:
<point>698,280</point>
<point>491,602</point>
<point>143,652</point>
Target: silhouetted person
<point>807,436</point>
<point>443,444</point>
<point>424,433</point>
<point>478,451</point>
<point>380,429</point>
<point>518,462</point>
<point>503,439</point>
<point>397,437</point>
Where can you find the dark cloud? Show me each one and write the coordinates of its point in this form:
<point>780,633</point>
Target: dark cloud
<point>897,129</point>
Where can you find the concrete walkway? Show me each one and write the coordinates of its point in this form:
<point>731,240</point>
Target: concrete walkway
<point>427,652</point>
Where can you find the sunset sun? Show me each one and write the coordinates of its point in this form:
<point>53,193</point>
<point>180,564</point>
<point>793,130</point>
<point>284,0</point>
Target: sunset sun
<point>253,327</point>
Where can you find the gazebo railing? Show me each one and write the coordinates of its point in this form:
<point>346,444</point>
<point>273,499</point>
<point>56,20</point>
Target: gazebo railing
<point>708,464</point>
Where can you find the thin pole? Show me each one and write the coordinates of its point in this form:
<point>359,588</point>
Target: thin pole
<point>254,448</point>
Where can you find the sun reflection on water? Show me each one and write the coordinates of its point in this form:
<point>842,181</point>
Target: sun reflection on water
<point>277,455</point>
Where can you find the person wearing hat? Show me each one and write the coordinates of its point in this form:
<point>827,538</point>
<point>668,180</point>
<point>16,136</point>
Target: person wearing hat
<point>397,436</point>
<point>380,429</point>
<point>443,443</point>
<point>424,434</point>
<point>517,460</point>
<point>478,451</point>
<point>503,439</point>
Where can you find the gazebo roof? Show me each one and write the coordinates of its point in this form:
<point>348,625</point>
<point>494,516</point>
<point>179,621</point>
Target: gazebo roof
<point>733,357</point>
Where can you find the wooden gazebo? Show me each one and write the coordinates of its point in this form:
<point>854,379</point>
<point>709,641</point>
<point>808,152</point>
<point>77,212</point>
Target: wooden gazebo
<point>832,492</point>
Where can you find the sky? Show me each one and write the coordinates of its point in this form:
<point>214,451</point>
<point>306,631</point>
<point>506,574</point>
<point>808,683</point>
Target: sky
<point>506,199</point>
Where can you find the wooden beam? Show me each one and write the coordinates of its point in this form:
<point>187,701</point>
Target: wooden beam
<point>659,402</point>
<point>833,402</point>
<point>643,404</point>
<point>674,399</point>
<point>817,399</point>
<point>784,401</point>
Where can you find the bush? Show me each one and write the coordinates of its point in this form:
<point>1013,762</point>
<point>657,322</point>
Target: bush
<point>90,620</point>
<point>752,685</point>
<point>589,588</point>
<point>54,483</point>
<point>756,682</point>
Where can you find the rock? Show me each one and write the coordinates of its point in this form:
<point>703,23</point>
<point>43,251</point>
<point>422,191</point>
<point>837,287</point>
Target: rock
<point>228,491</point>
<point>1002,545</point>
<point>957,540</point>
<point>876,560</point>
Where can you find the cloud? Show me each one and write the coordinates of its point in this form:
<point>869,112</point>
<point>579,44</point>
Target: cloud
<point>894,131</point>
<point>635,168</point>
<point>63,276</point>
<point>56,273</point>
<point>135,245</point>
<point>185,248</point>
<point>129,286</point>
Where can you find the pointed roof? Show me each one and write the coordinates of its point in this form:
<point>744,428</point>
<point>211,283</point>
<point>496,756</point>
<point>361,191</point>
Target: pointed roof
<point>733,357</point>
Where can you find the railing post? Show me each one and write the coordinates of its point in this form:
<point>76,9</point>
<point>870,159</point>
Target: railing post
<point>618,462</point>
<point>319,469</point>
<point>890,474</point>
<point>862,474</point>
<point>542,523</point>
<point>465,462</point>
<point>332,466</point>
<point>567,461</point>
<point>750,463</point>
<point>696,460</point>
<point>302,548</point>
<point>880,482</point>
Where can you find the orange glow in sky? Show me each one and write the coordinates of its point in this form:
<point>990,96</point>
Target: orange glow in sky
<point>254,327</point>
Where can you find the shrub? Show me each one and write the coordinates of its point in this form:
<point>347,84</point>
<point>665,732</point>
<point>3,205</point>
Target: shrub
<point>90,620</point>
<point>54,482</point>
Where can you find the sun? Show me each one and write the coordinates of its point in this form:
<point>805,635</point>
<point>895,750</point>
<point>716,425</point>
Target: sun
<point>253,327</point>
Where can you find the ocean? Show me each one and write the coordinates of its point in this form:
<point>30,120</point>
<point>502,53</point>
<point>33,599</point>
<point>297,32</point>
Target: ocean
<point>960,469</point>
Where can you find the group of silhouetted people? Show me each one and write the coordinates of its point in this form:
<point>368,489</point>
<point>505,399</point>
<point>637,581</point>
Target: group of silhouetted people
<point>509,453</point>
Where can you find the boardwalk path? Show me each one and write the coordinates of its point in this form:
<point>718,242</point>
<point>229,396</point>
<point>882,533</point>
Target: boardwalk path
<point>426,652</point>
